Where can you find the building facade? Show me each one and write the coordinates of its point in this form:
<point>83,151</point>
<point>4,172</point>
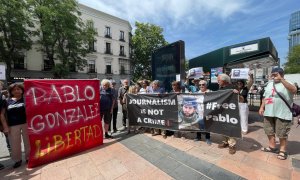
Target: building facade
<point>110,57</point>
<point>294,30</point>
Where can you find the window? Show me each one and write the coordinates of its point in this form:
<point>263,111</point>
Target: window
<point>92,46</point>
<point>48,65</point>
<point>124,66</point>
<point>122,36</point>
<point>107,32</point>
<point>72,67</point>
<point>107,49</point>
<point>91,66</point>
<point>108,69</point>
<point>122,53</point>
<point>19,62</point>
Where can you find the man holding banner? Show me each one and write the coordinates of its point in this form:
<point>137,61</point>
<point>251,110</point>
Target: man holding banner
<point>225,83</point>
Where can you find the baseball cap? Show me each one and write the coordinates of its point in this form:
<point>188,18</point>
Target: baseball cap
<point>190,101</point>
<point>277,70</point>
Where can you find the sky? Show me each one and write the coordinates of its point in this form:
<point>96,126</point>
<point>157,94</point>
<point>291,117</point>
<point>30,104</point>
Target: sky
<point>207,25</point>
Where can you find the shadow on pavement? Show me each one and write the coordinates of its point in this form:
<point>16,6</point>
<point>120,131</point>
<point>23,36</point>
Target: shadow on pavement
<point>293,147</point>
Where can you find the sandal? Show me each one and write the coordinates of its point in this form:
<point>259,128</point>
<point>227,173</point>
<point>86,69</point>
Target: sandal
<point>269,149</point>
<point>282,155</point>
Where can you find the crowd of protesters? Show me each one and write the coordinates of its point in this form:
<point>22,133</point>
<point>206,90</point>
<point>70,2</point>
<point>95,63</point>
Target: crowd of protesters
<point>277,116</point>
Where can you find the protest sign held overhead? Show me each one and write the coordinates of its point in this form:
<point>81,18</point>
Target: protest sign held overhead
<point>240,73</point>
<point>195,73</point>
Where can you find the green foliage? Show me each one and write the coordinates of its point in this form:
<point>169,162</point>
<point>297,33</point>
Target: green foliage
<point>292,66</point>
<point>63,35</point>
<point>186,64</point>
<point>60,71</point>
<point>146,39</point>
<point>15,31</point>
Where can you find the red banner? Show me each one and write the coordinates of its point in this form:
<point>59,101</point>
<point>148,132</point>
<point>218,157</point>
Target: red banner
<point>63,118</point>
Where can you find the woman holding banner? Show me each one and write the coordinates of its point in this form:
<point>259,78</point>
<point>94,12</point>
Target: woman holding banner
<point>243,102</point>
<point>16,118</point>
<point>107,101</point>
<point>203,89</point>
<point>132,90</point>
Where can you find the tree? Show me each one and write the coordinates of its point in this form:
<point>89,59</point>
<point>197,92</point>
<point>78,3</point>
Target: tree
<point>15,33</point>
<point>146,39</point>
<point>292,65</point>
<point>63,35</point>
<point>186,64</point>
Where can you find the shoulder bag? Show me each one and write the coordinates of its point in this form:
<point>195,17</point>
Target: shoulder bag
<point>295,108</point>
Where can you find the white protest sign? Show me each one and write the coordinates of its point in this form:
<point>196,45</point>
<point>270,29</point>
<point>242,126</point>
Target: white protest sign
<point>177,77</point>
<point>2,72</point>
<point>240,73</point>
<point>196,73</point>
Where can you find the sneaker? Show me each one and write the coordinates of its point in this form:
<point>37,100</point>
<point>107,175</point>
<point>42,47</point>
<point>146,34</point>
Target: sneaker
<point>244,132</point>
<point>2,166</point>
<point>17,164</point>
<point>155,134</point>
<point>232,150</point>
<point>122,128</point>
<point>197,139</point>
<point>208,142</point>
<point>223,145</point>
<point>107,136</point>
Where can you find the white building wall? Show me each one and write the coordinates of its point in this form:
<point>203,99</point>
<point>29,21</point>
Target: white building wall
<point>34,58</point>
<point>101,21</point>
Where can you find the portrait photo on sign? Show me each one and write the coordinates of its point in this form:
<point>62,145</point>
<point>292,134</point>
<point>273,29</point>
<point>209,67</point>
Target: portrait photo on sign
<point>190,112</point>
<point>236,73</point>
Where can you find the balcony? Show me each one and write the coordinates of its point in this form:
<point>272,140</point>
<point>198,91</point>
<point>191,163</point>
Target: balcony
<point>108,71</point>
<point>91,70</point>
<point>20,66</point>
<point>124,72</point>
<point>122,54</point>
<point>108,51</point>
<point>47,66</point>
<point>122,39</point>
<point>107,36</point>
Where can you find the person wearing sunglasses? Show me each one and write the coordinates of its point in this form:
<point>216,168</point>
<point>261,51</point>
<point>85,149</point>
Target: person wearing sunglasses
<point>203,89</point>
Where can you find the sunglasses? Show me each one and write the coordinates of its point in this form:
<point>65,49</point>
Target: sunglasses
<point>201,84</point>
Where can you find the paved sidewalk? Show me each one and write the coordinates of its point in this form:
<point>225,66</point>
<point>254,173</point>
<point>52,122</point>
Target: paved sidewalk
<point>110,161</point>
<point>142,156</point>
<point>249,161</point>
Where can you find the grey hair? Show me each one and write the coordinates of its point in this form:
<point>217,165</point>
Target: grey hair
<point>225,77</point>
<point>204,82</point>
<point>156,82</point>
<point>105,81</point>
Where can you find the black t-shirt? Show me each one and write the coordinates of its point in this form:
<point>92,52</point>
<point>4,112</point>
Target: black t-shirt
<point>2,102</point>
<point>16,114</point>
<point>244,93</point>
<point>230,86</point>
